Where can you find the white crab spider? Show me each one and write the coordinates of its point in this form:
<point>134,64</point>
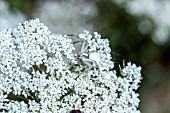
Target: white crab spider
<point>91,59</point>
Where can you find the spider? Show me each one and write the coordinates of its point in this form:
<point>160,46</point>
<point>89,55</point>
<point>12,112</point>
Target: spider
<point>91,60</point>
<point>86,60</point>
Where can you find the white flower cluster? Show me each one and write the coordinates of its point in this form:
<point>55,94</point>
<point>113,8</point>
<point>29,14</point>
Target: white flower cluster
<point>42,72</point>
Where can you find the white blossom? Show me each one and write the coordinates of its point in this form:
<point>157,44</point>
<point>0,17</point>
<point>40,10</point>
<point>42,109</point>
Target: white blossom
<point>41,72</point>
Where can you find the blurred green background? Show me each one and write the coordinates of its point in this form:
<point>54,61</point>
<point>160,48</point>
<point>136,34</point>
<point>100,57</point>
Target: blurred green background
<point>132,36</point>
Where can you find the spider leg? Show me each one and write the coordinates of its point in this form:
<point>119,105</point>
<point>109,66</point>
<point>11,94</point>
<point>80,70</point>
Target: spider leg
<point>83,47</point>
<point>90,63</point>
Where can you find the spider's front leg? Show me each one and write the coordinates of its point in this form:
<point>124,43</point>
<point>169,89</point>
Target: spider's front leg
<point>84,48</point>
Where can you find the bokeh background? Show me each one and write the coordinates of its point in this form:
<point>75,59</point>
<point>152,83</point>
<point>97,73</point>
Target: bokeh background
<point>138,30</point>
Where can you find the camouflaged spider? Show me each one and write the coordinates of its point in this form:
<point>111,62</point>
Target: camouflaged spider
<point>90,59</point>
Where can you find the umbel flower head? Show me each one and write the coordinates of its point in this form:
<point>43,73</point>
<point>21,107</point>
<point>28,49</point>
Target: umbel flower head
<point>41,72</point>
